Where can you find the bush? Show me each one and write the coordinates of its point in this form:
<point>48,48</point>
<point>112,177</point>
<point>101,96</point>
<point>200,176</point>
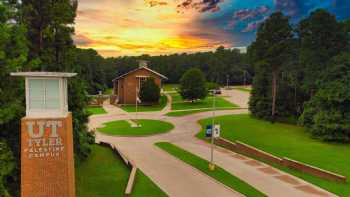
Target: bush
<point>193,85</point>
<point>150,91</point>
<point>327,114</point>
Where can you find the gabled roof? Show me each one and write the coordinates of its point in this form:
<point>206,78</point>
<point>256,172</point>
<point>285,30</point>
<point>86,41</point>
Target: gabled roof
<point>143,67</point>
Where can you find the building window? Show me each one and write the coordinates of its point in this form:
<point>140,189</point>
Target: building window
<point>142,80</point>
<point>44,94</point>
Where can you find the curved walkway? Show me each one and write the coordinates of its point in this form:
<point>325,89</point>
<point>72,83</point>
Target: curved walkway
<point>179,179</point>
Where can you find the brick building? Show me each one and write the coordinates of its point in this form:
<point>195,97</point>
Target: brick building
<point>126,85</point>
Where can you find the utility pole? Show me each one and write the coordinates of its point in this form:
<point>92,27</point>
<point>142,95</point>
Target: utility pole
<point>245,77</point>
<point>211,164</point>
<point>227,81</point>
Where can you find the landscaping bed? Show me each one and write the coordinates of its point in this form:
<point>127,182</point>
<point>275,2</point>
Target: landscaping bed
<point>285,140</point>
<point>124,128</point>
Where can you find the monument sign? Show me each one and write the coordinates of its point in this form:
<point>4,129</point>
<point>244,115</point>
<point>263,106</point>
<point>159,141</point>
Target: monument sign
<point>47,160</point>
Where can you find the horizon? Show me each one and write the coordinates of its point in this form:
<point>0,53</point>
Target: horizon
<point>163,27</point>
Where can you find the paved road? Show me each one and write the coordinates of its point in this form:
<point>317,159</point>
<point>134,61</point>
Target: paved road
<point>179,179</point>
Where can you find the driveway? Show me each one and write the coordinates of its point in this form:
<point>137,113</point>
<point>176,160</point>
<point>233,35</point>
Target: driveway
<point>178,179</point>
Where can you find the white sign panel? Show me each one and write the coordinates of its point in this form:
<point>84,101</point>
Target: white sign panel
<point>217,130</point>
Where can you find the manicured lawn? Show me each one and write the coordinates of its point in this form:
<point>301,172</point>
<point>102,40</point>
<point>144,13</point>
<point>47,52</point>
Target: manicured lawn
<point>96,110</point>
<point>219,174</point>
<point>141,108</point>
<point>104,174</point>
<point>189,112</point>
<point>291,141</point>
<point>180,104</point>
<point>108,91</point>
<point>148,127</point>
<point>243,89</point>
<point>170,87</point>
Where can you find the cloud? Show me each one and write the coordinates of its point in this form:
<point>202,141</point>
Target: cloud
<point>153,3</point>
<point>82,40</point>
<point>200,5</point>
<point>289,7</point>
<point>248,19</point>
<point>245,14</point>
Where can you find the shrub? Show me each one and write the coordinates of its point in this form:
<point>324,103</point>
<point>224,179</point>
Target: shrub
<point>150,91</point>
<point>193,85</point>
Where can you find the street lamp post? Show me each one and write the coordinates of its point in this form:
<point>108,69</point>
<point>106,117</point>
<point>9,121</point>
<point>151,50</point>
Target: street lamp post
<point>211,164</point>
<point>227,81</point>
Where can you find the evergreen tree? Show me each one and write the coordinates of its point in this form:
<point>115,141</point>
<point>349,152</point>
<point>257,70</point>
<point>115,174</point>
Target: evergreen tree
<point>271,49</point>
<point>321,37</point>
<point>13,54</point>
<point>150,91</point>
<point>193,85</point>
<point>327,114</point>
<point>50,28</point>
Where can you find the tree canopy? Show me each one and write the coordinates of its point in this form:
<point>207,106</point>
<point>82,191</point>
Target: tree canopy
<point>193,85</point>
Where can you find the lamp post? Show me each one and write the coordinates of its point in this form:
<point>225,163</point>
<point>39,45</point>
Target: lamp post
<point>227,81</point>
<point>212,164</point>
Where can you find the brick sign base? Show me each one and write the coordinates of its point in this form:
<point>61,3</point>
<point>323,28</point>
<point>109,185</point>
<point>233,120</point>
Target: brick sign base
<point>47,163</point>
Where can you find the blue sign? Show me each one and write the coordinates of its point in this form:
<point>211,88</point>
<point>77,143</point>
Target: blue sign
<point>208,131</point>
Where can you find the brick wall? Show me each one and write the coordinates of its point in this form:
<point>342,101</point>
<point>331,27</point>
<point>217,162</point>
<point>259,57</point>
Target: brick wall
<point>47,162</point>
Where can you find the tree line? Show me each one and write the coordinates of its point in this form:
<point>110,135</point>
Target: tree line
<point>218,66</point>
<point>302,73</point>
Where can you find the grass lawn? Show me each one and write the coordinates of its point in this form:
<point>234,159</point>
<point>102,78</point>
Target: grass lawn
<point>180,104</point>
<point>140,108</point>
<point>243,89</point>
<point>104,174</point>
<point>189,112</point>
<point>291,141</point>
<point>96,110</point>
<point>170,87</point>
<point>148,127</point>
<point>108,91</point>
<point>202,165</point>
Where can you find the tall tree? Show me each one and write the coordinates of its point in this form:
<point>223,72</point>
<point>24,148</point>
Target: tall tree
<point>50,28</point>
<point>321,38</point>
<point>193,85</point>
<point>13,54</point>
<point>272,48</point>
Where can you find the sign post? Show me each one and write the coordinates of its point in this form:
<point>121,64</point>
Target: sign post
<point>47,160</point>
<point>212,164</point>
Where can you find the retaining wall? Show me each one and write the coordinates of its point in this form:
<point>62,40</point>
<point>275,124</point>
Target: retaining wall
<point>252,151</point>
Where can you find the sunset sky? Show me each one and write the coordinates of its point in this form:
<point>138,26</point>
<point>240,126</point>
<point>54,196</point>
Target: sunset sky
<point>135,27</point>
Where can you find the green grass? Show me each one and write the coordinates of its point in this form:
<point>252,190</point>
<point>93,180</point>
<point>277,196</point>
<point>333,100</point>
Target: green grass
<point>170,87</point>
<point>148,127</point>
<point>180,104</point>
<point>243,89</point>
<point>189,112</point>
<point>108,91</point>
<point>146,108</point>
<point>104,174</point>
<point>96,110</point>
<point>219,174</point>
<point>291,141</point>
